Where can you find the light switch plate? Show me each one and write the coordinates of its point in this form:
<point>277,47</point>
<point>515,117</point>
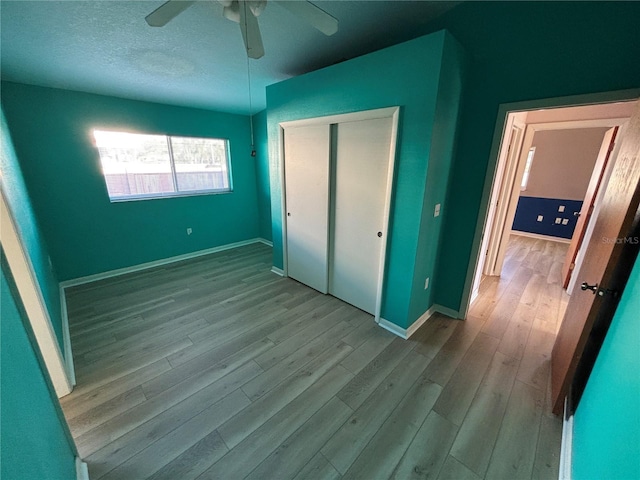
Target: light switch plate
<point>558,220</point>
<point>561,208</point>
<point>426,283</point>
<point>565,221</point>
<point>436,211</point>
<point>540,217</point>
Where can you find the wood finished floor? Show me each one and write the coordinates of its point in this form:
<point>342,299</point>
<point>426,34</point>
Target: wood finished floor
<point>217,368</point>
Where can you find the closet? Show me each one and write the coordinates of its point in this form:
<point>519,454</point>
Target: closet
<point>338,173</point>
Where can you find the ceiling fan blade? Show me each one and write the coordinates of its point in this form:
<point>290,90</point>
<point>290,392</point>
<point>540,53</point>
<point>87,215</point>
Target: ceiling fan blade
<point>313,15</point>
<point>250,32</point>
<point>167,11</point>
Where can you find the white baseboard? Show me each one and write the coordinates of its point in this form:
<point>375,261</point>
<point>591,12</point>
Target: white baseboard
<point>277,271</point>
<point>265,241</point>
<point>156,263</point>
<point>566,448</point>
<point>82,471</point>
<point>541,237</point>
<point>66,339</point>
<point>406,333</point>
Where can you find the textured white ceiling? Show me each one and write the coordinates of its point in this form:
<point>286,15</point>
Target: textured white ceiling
<point>198,58</point>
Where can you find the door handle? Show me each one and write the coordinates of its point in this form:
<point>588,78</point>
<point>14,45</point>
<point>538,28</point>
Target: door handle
<point>380,234</point>
<point>586,286</point>
<point>576,214</point>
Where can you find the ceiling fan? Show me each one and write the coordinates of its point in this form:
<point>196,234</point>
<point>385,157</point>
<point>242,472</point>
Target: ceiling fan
<point>245,13</point>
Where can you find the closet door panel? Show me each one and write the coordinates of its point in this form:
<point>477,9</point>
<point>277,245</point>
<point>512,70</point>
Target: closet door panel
<point>306,151</point>
<point>358,206</point>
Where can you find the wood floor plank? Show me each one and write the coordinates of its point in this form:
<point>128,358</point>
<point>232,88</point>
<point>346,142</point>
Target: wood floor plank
<point>242,425</point>
<point>105,411</point>
<point>477,435</point>
<point>348,442</point>
<point>369,350</point>
<point>178,441</point>
<point>194,460</point>
<point>501,315</point>
<point>298,450</point>
<point>78,402</point>
<point>318,468</point>
<point>514,340</point>
<point>454,470</point>
<point>381,455</point>
<point>207,386</point>
<point>547,460</point>
<point>202,364</point>
<point>536,361</point>
<point>256,447</point>
<point>289,346</point>
<point>513,456</point>
<point>306,353</point>
<point>434,334</point>
<point>461,388</point>
<point>367,380</point>
<point>428,450</point>
<point>447,359</point>
<point>142,433</point>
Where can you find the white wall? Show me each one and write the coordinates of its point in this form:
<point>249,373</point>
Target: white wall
<point>563,163</point>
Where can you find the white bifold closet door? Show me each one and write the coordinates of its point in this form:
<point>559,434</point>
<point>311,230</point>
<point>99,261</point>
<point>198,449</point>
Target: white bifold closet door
<point>307,165</point>
<point>358,215</point>
<point>336,182</point>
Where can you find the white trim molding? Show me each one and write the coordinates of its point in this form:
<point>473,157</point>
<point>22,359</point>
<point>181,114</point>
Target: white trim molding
<point>566,448</point>
<point>156,263</point>
<point>268,243</point>
<point>66,338</point>
<point>277,271</point>
<point>32,300</point>
<point>82,470</point>
<point>540,236</point>
<point>406,333</point>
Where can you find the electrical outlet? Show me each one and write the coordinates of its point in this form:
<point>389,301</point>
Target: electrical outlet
<point>558,221</point>
<point>540,217</point>
<point>426,283</point>
<point>436,211</point>
<point>565,221</point>
<point>561,208</point>
<point>189,231</point>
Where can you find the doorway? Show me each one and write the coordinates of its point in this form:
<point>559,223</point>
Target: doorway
<point>573,145</point>
<point>337,177</point>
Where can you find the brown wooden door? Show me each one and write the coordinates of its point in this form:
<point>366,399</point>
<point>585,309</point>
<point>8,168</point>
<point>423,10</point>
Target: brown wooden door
<point>587,206</point>
<point>616,220</point>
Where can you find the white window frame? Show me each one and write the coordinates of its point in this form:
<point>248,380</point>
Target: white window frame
<point>176,192</point>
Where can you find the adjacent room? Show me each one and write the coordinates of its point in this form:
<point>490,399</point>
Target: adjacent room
<point>285,239</point>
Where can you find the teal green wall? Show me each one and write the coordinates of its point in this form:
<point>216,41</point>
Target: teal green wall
<point>262,174</point>
<point>441,156</point>
<point>406,75</point>
<point>17,196</point>
<point>606,432</point>
<point>35,441</point>
<point>87,234</point>
<point>523,51</point>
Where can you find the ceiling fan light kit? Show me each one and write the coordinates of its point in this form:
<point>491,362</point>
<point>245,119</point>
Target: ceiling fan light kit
<point>245,13</point>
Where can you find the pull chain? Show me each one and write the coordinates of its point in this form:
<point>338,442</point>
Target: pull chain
<point>253,149</point>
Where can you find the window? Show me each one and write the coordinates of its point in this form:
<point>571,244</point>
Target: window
<point>527,168</point>
<point>140,166</point>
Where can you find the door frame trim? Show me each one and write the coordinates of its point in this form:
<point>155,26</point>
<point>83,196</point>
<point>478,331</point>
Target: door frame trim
<point>33,301</point>
<point>387,112</point>
<point>504,109</point>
